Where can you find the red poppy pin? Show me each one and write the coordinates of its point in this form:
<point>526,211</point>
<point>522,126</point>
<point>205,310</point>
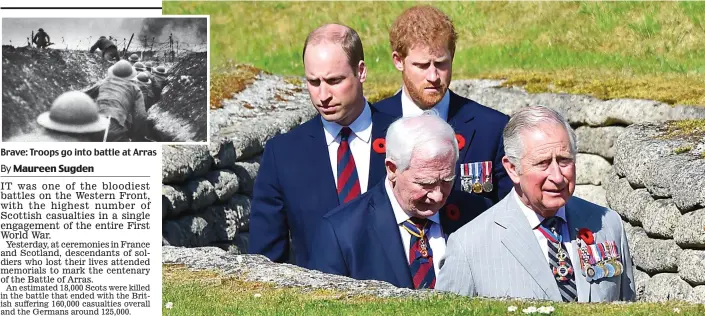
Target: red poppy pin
<point>586,235</point>
<point>453,212</point>
<point>461,141</point>
<point>379,145</point>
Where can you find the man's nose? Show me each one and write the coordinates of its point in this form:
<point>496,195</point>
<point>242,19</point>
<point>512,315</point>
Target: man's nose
<point>432,74</point>
<point>555,174</point>
<point>324,93</point>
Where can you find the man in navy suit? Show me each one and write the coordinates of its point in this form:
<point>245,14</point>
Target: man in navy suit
<point>326,161</point>
<point>423,43</point>
<point>397,231</point>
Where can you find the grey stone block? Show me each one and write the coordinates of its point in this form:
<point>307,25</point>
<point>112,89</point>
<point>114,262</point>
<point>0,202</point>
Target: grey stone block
<point>246,173</point>
<point>688,186</point>
<point>181,162</point>
<point>666,287</point>
<point>238,209</point>
<point>201,194</point>
<point>627,202</point>
<point>641,278</point>
<point>598,140</point>
<point>187,231</point>
<point>637,148</point>
<point>591,193</point>
<point>654,255</point>
<point>698,295</point>
<point>174,200</point>
<point>691,266</point>
<point>690,230</point>
<point>591,169</point>
<point>225,183</point>
<point>257,268</point>
<point>660,218</point>
<point>223,153</point>
<point>658,177</point>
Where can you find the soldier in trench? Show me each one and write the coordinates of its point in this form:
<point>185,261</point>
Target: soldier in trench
<point>108,48</point>
<point>41,39</point>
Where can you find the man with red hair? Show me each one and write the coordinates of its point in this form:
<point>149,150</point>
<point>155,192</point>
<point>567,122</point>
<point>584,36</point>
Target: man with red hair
<point>423,42</point>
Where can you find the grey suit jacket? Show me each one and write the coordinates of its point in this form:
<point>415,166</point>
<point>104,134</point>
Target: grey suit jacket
<point>497,255</point>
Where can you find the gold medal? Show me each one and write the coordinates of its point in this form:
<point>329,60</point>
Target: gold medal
<point>477,187</point>
<point>617,268</point>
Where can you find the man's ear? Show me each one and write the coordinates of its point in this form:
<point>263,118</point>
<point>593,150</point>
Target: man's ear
<point>362,71</point>
<point>391,169</point>
<point>511,169</point>
<point>398,61</point>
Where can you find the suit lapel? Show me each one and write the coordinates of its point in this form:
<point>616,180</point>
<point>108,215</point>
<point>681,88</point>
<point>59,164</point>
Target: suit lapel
<point>521,242</point>
<point>460,117</point>
<point>383,227</point>
<point>319,164</point>
<point>574,216</point>
<point>380,123</point>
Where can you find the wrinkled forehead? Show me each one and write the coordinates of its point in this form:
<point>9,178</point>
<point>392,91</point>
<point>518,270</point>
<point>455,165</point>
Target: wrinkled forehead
<point>546,140</point>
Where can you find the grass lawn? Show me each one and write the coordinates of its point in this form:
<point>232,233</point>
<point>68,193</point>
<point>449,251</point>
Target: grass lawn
<point>206,293</point>
<point>651,50</point>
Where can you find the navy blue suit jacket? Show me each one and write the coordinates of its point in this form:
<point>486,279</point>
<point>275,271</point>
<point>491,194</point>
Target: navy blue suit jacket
<point>361,239</point>
<point>295,187</point>
<point>482,129</point>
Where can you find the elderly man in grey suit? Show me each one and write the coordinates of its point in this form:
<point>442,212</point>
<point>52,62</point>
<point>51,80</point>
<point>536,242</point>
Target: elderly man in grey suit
<point>540,242</point>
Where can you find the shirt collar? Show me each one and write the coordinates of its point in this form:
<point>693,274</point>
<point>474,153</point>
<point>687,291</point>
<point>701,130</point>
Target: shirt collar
<point>399,213</point>
<point>409,108</point>
<point>361,127</point>
<point>534,218</point>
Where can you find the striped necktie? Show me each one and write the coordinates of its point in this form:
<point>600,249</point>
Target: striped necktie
<point>420,253</point>
<point>348,183</point>
<point>561,267</point>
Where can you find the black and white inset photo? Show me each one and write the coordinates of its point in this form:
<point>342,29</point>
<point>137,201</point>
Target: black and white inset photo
<point>105,79</point>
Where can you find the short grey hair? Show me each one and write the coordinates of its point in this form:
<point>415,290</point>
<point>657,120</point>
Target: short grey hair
<point>427,132</point>
<point>530,118</point>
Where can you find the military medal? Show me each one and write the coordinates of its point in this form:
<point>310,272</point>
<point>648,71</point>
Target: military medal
<point>424,249</point>
<point>563,271</point>
<point>465,177</point>
<point>476,186</point>
<point>487,176</point>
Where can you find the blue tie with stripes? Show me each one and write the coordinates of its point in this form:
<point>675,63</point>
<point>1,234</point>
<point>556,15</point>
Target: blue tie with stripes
<point>420,253</point>
<point>559,259</point>
<point>348,183</point>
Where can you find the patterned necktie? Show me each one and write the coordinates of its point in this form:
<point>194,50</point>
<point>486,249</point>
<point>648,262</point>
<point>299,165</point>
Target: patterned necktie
<point>558,257</point>
<point>420,253</point>
<point>348,183</point>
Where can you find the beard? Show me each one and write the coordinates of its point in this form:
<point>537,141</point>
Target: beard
<point>423,99</point>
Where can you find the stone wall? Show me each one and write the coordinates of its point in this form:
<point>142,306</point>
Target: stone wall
<point>597,123</point>
<point>206,190</point>
<point>658,188</point>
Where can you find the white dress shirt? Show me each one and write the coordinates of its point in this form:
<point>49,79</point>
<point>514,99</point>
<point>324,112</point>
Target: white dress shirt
<point>536,219</point>
<point>409,108</point>
<point>359,141</point>
<point>435,232</point>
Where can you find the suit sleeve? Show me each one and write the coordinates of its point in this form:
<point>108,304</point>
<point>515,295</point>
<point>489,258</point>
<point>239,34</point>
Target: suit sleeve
<point>627,291</point>
<point>455,274</point>
<point>502,181</point>
<point>269,228</point>
<point>329,258</point>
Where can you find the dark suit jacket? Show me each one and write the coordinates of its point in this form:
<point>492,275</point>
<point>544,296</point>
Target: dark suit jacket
<point>361,239</point>
<point>295,187</point>
<point>481,127</point>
